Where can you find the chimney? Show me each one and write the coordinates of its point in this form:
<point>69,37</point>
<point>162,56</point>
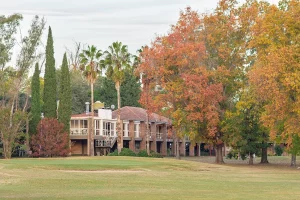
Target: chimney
<point>87,108</point>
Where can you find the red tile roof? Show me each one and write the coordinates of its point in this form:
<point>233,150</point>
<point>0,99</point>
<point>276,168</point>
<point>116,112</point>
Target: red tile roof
<point>139,114</point>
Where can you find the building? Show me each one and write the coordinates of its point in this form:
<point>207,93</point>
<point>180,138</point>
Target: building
<point>134,132</point>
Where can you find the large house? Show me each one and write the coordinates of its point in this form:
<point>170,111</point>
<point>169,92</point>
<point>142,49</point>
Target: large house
<point>134,133</point>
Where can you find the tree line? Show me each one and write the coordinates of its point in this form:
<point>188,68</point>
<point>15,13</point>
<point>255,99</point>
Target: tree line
<point>230,77</point>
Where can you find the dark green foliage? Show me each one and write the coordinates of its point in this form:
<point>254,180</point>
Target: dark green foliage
<point>80,92</point>
<point>278,150</point>
<point>154,154</point>
<point>126,152</point>
<point>130,91</point>
<point>50,80</point>
<point>65,98</point>
<point>35,101</point>
<point>142,153</point>
<point>115,153</point>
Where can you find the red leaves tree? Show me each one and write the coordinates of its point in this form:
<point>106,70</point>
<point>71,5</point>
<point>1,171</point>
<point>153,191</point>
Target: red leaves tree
<point>51,139</point>
<point>190,93</point>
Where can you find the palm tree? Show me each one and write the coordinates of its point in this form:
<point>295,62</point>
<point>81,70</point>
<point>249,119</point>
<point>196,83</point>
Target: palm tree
<point>90,67</point>
<point>116,62</point>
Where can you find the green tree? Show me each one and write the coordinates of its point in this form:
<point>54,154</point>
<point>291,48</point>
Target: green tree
<point>80,92</point>
<point>14,118</point>
<point>106,92</point>
<point>89,65</point>
<point>65,98</point>
<point>116,62</point>
<point>35,101</point>
<point>8,28</point>
<point>50,80</point>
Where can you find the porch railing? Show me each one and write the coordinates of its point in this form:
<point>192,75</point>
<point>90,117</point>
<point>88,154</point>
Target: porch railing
<point>78,131</point>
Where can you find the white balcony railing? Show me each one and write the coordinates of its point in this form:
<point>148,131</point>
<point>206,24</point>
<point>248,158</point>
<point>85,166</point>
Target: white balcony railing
<point>78,131</point>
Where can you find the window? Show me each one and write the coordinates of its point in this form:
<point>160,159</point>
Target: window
<point>136,130</point>
<point>125,129</point>
<point>97,127</point>
<point>137,145</point>
<point>108,129</point>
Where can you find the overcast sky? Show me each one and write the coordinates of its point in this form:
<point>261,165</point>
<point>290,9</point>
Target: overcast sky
<point>98,22</point>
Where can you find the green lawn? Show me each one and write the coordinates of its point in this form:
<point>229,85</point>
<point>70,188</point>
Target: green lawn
<point>143,178</point>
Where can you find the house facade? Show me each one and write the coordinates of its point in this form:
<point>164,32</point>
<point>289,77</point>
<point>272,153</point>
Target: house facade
<point>134,127</point>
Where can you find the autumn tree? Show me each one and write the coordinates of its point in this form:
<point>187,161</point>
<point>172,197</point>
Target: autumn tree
<point>51,140</point>
<point>275,74</point>
<point>173,66</point>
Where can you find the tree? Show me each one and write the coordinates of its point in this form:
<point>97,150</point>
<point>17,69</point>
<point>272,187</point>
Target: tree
<point>50,80</point>
<point>65,98</point>
<point>8,28</point>
<point>116,62</point>
<point>35,101</point>
<point>80,92</point>
<point>106,92</point>
<point>243,128</point>
<point>275,74</point>
<point>89,65</point>
<point>51,139</point>
<point>13,82</point>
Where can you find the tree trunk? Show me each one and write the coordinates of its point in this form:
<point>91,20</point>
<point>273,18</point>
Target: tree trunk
<point>119,134</point>
<point>219,154</point>
<point>92,153</point>
<point>264,155</point>
<point>251,159</point>
<point>293,161</point>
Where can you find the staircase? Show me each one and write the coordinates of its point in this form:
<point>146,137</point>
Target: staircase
<point>107,142</point>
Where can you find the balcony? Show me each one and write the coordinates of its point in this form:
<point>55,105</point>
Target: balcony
<point>159,136</point>
<point>78,131</point>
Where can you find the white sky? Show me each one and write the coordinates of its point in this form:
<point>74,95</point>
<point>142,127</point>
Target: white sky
<point>101,22</point>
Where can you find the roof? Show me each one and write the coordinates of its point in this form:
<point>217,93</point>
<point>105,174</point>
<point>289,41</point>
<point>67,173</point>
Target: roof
<point>84,115</point>
<point>139,114</point>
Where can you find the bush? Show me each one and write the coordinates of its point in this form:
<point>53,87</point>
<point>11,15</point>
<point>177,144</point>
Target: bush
<point>51,140</point>
<point>229,155</point>
<point>126,152</point>
<point>142,153</point>
<point>278,150</point>
<point>154,154</point>
<point>115,153</point>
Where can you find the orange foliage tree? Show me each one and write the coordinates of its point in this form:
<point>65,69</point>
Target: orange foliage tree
<point>176,63</point>
<point>275,74</point>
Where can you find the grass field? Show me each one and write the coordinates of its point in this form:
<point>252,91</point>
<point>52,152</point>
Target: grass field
<point>144,178</point>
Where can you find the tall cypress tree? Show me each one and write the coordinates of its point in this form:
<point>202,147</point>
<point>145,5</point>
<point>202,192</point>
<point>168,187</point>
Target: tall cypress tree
<point>50,79</point>
<point>35,100</point>
<point>65,98</point>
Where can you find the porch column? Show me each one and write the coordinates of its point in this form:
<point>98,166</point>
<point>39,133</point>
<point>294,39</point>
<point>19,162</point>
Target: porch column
<point>131,135</point>
<point>164,143</point>
<point>153,136</point>
<point>143,135</point>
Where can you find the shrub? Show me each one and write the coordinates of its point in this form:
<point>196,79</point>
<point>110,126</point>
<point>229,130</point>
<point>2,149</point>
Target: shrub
<point>126,152</point>
<point>115,153</point>
<point>155,154</point>
<point>229,155</point>
<point>51,139</point>
<point>278,150</point>
<point>142,153</point>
